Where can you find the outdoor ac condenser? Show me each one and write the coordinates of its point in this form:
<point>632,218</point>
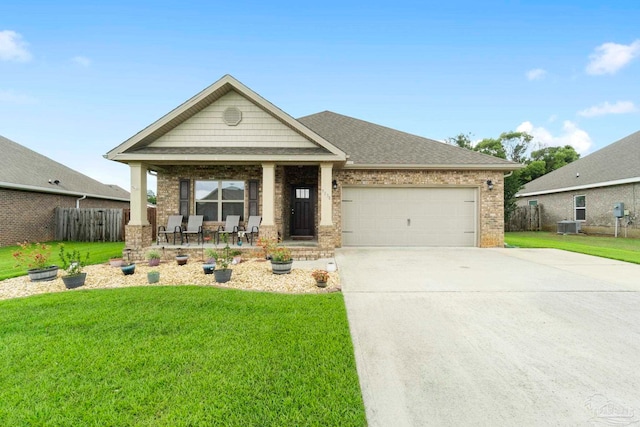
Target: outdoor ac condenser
<point>568,227</point>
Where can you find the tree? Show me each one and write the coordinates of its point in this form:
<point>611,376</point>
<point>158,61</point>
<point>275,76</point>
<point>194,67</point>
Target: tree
<point>555,157</point>
<point>151,197</point>
<point>461,140</point>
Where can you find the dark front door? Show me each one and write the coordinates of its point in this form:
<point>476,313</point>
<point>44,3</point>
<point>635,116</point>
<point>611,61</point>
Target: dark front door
<point>302,211</point>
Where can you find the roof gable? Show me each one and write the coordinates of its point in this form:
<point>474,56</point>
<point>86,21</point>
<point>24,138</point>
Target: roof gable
<point>196,131</point>
<point>25,169</point>
<point>371,145</point>
<point>616,163</point>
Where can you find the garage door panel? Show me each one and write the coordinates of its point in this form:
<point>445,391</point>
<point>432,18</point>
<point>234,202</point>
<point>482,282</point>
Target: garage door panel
<point>377,216</point>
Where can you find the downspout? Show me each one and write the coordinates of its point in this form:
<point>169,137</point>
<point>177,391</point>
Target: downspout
<point>78,201</point>
<point>508,175</point>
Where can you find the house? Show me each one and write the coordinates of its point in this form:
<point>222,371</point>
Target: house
<point>587,189</point>
<point>328,178</point>
<point>32,186</point>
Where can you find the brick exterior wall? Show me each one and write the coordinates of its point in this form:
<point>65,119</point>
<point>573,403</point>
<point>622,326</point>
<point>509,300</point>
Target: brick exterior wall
<point>490,206</point>
<point>26,215</point>
<point>599,208</point>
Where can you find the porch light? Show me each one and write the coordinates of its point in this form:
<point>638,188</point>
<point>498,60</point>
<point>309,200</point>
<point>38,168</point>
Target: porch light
<point>334,184</point>
<point>490,184</point>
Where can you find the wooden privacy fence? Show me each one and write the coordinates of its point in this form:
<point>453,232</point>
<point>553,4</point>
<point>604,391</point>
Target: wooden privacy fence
<point>89,225</point>
<point>525,218</point>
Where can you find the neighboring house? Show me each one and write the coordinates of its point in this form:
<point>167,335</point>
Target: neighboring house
<point>328,178</point>
<point>587,189</point>
<point>32,186</point>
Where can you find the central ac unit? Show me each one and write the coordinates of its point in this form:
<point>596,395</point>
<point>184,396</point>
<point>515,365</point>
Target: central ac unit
<point>568,227</point>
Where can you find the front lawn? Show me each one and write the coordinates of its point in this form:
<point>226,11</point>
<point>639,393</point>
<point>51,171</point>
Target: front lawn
<point>607,247</point>
<point>177,356</point>
<point>99,252</point>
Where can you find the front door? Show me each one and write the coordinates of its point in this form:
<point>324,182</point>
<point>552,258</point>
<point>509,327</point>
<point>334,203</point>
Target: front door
<point>302,211</point>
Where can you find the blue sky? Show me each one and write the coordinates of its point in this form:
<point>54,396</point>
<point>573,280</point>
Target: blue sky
<point>78,79</point>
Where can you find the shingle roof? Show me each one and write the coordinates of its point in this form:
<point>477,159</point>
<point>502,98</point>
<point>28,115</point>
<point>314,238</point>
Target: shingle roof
<point>617,161</point>
<point>24,168</point>
<point>370,144</point>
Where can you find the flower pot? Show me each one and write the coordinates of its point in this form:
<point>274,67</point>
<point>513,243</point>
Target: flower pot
<point>321,284</point>
<point>281,267</point>
<point>208,268</point>
<point>75,281</point>
<point>154,262</point>
<point>222,276</point>
<point>128,269</point>
<point>115,262</point>
<point>153,276</point>
<point>237,259</point>
<point>43,274</point>
<point>182,259</point>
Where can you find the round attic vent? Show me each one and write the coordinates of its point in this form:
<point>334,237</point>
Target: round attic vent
<point>232,116</point>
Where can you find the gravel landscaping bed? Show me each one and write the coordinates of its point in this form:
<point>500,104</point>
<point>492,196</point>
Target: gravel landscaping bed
<point>253,275</point>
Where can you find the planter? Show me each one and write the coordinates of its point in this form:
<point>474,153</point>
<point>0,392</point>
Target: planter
<point>208,268</point>
<point>43,274</point>
<point>222,276</point>
<point>154,262</point>
<point>128,269</point>
<point>237,259</point>
<point>115,262</point>
<point>74,281</point>
<point>182,259</point>
<point>281,267</point>
<point>153,276</point>
<point>321,284</point>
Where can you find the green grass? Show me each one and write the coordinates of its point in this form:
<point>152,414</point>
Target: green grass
<point>177,356</point>
<point>99,252</point>
<point>607,247</point>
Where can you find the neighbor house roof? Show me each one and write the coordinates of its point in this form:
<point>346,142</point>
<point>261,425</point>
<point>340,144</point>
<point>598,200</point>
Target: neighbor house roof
<point>24,169</point>
<point>371,145</point>
<point>615,164</point>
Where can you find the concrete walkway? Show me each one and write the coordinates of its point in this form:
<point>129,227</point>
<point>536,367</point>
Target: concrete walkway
<point>462,337</point>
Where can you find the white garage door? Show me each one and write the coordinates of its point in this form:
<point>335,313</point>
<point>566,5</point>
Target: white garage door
<point>374,216</point>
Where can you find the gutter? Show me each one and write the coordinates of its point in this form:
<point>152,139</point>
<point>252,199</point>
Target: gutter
<point>32,188</point>
<point>581,187</point>
<point>78,201</point>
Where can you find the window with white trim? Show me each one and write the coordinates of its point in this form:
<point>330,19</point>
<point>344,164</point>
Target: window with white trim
<point>580,208</point>
<point>217,199</point>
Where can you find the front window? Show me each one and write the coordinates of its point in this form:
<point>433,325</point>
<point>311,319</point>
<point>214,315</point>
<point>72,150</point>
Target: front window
<point>217,199</point>
<point>533,203</point>
<point>580,208</point>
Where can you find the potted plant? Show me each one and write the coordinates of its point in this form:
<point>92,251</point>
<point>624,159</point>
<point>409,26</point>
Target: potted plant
<point>128,268</point>
<point>181,258</point>
<point>267,246</point>
<point>72,263</point>
<point>154,258</point>
<point>115,262</point>
<point>223,272</point>
<point>281,260</point>
<point>237,256</point>
<point>321,277</point>
<point>35,259</point>
<point>210,256</point>
<point>153,276</point>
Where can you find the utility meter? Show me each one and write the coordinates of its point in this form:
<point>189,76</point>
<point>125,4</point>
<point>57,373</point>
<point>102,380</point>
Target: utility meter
<point>618,210</point>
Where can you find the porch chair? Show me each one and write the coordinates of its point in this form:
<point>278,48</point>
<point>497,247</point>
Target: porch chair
<point>230,228</point>
<point>174,226</point>
<point>252,228</point>
<point>194,226</point>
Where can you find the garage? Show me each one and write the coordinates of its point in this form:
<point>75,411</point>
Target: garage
<point>409,216</point>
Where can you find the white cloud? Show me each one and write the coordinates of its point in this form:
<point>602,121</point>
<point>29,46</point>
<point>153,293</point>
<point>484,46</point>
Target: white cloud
<point>608,58</point>
<point>570,135</point>
<point>620,107</point>
<point>10,97</point>
<point>82,61</point>
<point>12,48</point>
<point>536,74</point>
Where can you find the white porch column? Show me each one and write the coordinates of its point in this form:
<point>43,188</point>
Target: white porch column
<point>138,202</point>
<point>326,196</point>
<point>268,193</point>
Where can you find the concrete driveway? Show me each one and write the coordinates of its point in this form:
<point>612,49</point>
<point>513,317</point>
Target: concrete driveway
<point>462,337</point>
